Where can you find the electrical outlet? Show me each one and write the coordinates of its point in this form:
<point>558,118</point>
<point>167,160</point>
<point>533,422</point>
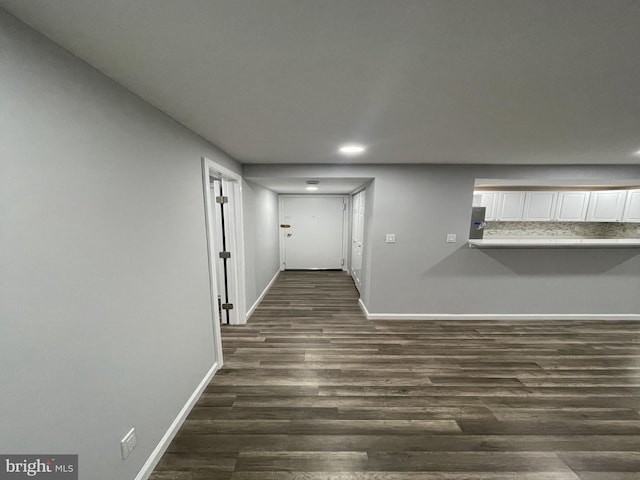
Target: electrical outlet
<point>390,238</point>
<point>128,443</point>
<point>451,238</point>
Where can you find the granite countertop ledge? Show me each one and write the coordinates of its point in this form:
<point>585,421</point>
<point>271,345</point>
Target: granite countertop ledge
<point>556,242</point>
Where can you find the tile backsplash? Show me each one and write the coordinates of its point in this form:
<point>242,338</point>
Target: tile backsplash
<point>561,230</point>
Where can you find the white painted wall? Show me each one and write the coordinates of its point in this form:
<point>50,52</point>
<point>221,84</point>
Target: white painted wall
<point>261,230</point>
<point>421,274</point>
<point>105,307</point>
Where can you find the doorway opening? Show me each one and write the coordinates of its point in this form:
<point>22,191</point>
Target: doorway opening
<point>223,213</point>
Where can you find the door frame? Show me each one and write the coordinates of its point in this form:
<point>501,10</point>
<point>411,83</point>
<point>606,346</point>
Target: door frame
<point>358,283</point>
<point>346,231</point>
<point>210,168</point>
<point>224,240</point>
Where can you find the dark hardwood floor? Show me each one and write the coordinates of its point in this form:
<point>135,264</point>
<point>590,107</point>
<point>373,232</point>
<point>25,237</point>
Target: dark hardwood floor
<point>311,390</point>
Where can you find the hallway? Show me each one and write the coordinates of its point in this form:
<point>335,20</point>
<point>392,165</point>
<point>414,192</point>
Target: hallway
<point>312,390</point>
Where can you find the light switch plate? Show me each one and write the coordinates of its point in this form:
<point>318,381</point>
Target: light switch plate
<point>391,238</point>
<point>451,238</point>
<point>128,443</point>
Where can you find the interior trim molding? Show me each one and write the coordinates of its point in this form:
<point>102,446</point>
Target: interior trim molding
<point>262,295</point>
<point>147,469</point>
<point>496,316</point>
<point>237,290</point>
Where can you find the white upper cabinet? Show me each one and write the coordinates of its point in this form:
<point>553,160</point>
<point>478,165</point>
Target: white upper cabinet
<point>539,206</point>
<point>560,205</point>
<point>489,200</point>
<point>572,206</point>
<point>510,206</point>
<point>632,207</point>
<point>606,206</point>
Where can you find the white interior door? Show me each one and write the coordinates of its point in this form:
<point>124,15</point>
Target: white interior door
<point>225,244</point>
<point>314,238</point>
<point>217,241</point>
<point>357,237</point>
<point>225,249</point>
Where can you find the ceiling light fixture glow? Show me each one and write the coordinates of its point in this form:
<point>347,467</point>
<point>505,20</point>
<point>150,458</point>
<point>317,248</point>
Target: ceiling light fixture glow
<point>637,154</point>
<point>352,149</point>
<point>312,185</point>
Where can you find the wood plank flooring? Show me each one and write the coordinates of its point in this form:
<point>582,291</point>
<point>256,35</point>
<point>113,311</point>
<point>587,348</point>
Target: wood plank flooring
<point>311,390</point>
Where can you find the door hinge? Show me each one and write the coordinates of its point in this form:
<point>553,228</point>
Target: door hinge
<point>222,199</point>
<point>224,254</point>
<point>227,306</point>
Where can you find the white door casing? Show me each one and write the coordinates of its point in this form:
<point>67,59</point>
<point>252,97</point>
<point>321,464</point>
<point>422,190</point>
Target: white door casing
<point>232,188</point>
<point>357,237</point>
<point>217,246</point>
<point>225,240</point>
<point>315,236</point>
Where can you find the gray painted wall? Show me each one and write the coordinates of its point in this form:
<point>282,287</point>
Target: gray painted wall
<point>105,305</point>
<point>421,274</point>
<point>261,231</point>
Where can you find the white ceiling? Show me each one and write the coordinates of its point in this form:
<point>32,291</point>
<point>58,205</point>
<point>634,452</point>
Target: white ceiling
<point>418,81</point>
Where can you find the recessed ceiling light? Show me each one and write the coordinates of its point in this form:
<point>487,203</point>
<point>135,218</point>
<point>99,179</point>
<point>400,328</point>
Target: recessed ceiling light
<point>312,184</point>
<point>352,149</point>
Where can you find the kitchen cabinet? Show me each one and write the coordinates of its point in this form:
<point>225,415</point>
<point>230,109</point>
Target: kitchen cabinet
<point>539,206</point>
<point>632,207</point>
<point>572,206</point>
<point>510,206</point>
<point>606,206</point>
<point>560,206</point>
<point>489,200</point>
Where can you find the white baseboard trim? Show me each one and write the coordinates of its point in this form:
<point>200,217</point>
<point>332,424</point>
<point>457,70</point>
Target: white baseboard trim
<point>163,444</point>
<point>495,316</point>
<point>264,292</point>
